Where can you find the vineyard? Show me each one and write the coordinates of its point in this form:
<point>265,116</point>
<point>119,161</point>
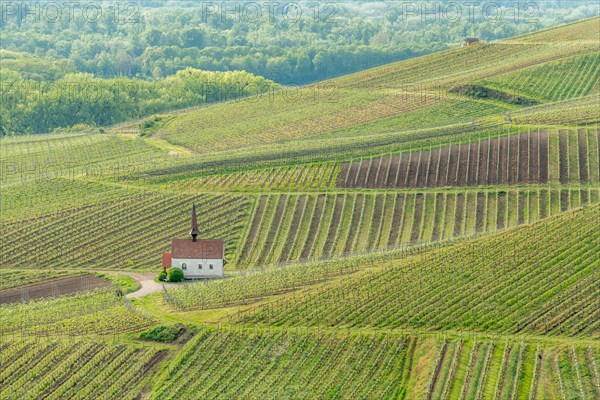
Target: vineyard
<point>289,227</point>
<point>131,232</point>
<point>565,156</point>
<point>574,77</point>
<point>492,284</point>
<point>580,111</point>
<point>10,278</point>
<point>281,363</point>
<point>427,229</point>
<point>297,177</point>
<point>76,368</point>
<point>100,312</point>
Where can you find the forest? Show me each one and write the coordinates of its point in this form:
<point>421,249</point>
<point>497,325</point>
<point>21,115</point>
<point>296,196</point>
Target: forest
<point>106,44</point>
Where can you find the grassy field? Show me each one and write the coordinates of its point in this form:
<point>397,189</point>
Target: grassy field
<point>390,235</point>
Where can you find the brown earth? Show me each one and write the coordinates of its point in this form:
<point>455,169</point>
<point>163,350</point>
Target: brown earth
<point>273,229</point>
<point>53,288</point>
<point>479,215</point>
<point>416,228</point>
<point>584,197</point>
<point>439,203</point>
<point>516,159</point>
<point>335,222</point>
<point>501,224</point>
<point>312,233</point>
<point>355,222</point>
<point>543,156</point>
<point>563,157</point>
<point>521,218</point>
<point>375,225</point>
<point>458,216</point>
<point>396,220</point>
<point>296,219</point>
<point>564,200</point>
<point>583,172</point>
<point>543,204</point>
<point>262,203</point>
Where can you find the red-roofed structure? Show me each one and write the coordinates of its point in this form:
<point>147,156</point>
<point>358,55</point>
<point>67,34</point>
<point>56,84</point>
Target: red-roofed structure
<point>201,248</point>
<point>197,258</point>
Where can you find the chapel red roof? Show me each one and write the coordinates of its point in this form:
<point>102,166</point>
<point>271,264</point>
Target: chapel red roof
<point>200,249</point>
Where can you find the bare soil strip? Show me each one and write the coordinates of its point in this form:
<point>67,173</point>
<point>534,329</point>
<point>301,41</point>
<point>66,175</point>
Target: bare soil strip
<point>53,288</point>
<point>393,176</point>
<point>543,201</point>
<point>355,224</point>
<point>516,159</point>
<point>522,201</point>
<point>372,173</point>
<point>335,222</point>
<point>312,233</point>
<point>416,228</point>
<point>501,223</point>
<point>479,215</point>
<point>384,172</point>
<point>584,197</point>
<point>260,208</point>
<point>524,158</point>
<point>474,161</point>
<point>543,176</point>
<point>445,157</point>
<point>492,172</point>
<point>582,142</point>
<point>564,200</point>
<point>513,159</point>
<point>397,216</point>
<point>296,219</point>
<point>273,229</point>
<point>458,216</point>
<point>375,225</point>
<point>563,157</point>
<point>364,166</point>
<point>437,222</point>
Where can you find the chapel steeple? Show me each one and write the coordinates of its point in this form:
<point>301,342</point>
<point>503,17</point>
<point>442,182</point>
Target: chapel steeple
<point>194,231</point>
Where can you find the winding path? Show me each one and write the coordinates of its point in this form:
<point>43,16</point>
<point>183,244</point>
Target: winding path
<point>148,284</point>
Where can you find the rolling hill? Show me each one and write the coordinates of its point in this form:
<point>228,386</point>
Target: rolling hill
<point>425,229</point>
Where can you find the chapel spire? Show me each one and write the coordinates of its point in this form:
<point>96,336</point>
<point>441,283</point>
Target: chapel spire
<point>194,231</point>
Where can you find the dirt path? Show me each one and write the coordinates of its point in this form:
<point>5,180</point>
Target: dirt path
<point>148,284</point>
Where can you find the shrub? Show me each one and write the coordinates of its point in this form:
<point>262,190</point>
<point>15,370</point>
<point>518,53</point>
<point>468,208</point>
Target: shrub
<point>162,276</point>
<point>175,274</point>
<point>162,333</point>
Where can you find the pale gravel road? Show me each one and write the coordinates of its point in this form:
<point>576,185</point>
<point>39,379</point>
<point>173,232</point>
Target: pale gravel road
<point>147,282</point>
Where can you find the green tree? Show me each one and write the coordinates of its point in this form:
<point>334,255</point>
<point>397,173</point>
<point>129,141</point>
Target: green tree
<point>192,37</point>
<point>175,274</point>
